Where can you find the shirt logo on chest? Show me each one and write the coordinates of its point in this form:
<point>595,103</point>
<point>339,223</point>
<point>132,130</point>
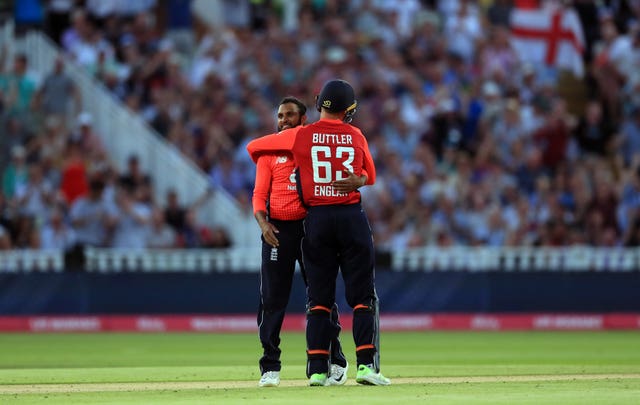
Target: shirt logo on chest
<point>281,159</point>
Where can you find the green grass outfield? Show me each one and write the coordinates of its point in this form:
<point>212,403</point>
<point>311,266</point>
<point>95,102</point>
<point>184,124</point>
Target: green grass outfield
<point>425,367</point>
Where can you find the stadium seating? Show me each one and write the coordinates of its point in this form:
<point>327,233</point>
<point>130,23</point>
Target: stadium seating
<point>467,156</point>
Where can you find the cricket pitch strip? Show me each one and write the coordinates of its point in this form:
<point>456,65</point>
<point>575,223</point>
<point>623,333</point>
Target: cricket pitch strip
<point>238,384</point>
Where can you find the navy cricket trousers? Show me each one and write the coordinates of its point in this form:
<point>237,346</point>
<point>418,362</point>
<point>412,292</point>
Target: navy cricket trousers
<point>276,277</point>
<point>338,239</point>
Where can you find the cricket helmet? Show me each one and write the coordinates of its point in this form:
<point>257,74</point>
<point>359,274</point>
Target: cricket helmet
<point>337,96</point>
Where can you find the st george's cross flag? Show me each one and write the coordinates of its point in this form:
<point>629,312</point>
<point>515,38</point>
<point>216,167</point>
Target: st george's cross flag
<point>550,35</point>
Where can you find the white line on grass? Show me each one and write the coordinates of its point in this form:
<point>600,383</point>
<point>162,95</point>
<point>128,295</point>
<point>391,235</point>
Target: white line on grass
<point>208,385</point>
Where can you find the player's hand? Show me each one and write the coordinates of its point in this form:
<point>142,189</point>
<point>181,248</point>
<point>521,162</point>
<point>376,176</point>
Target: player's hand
<point>269,232</point>
<point>351,183</point>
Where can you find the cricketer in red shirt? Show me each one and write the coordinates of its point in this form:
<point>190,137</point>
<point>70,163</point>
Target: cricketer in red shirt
<point>337,236</point>
<point>325,152</point>
<point>279,213</point>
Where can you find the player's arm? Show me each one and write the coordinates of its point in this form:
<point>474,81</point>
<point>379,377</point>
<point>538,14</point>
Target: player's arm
<point>351,183</point>
<point>261,190</point>
<point>271,143</point>
<point>368,167</point>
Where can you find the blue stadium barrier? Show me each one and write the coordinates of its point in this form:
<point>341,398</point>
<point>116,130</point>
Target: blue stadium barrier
<point>233,293</point>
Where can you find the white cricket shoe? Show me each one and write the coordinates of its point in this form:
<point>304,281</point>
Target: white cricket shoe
<point>337,375</point>
<point>270,379</point>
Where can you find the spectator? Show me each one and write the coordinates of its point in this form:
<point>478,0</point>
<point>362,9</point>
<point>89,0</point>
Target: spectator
<point>35,198</point>
<point>84,134</point>
<point>491,105</point>
<point>629,206</point>
<point>134,178</point>
<point>57,18</point>
<point>219,238</point>
<point>15,176</point>
<point>499,12</point>
<point>6,222</point>
<point>84,42</point>
<point>175,214</point>
<point>5,239</point>
<point>498,58</point>
<point>507,131</point>
<point>194,234</point>
<point>74,179</point>
<point>52,139</point>
<point>611,53</point>
<point>132,219</point>
<point>554,136</point>
<point>56,233</point>
<point>218,59</point>
<point>26,233</point>
<point>447,127</point>
<point>78,29</point>
<point>225,175</point>
<point>93,217</point>
<point>627,144</point>
<point>14,134</point>
<point>632,238</point>
<point>57,91</point>
<point>401,138</point>
<point>601,211</point>
<point>497,232</point>
<point>463,28</point>
<point>631,95</point>
<point>18,87</point>
<point>190,233</point>
<point>160,235</point>
<point>594,132</point>
<point>5,209</point>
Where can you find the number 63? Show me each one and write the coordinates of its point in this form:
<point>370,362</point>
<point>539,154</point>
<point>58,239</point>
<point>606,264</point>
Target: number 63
<point>347,153</point>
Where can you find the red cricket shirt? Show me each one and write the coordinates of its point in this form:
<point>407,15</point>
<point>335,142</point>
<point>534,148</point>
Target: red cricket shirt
<point>322,151</point>
<point>276,183</point>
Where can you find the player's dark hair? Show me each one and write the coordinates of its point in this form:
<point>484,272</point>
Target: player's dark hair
<point>302,109</point>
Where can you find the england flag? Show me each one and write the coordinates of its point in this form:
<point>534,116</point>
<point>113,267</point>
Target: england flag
<point>549,35</point>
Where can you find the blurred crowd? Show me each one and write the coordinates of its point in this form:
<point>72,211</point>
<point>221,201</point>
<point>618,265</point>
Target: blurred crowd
<point>59,187</point>
<point>473,146</point>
